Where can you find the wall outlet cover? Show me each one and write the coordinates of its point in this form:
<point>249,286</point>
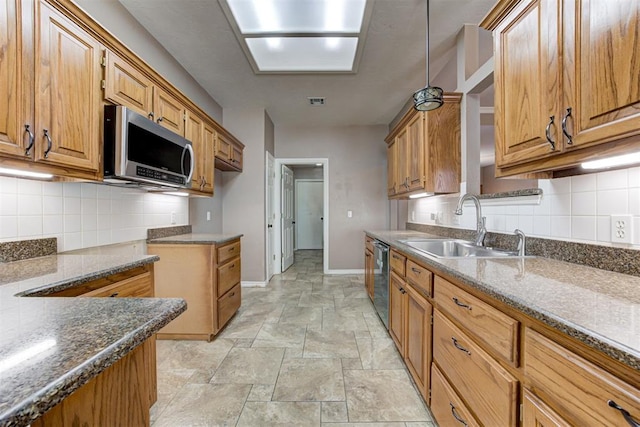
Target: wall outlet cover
<point>622,228</point>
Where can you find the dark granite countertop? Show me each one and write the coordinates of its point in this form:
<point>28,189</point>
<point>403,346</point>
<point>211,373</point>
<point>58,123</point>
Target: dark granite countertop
<point>597,307</point>
<point>196,239</point>
<point>74,339</point>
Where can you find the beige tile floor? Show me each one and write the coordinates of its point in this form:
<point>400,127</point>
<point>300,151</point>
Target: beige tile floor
<point>307,350</point>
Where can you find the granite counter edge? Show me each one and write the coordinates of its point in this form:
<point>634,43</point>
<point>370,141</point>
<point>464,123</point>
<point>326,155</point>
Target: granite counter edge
<point>174,240</point>
<point>596,341</point>
<point>42,401</point>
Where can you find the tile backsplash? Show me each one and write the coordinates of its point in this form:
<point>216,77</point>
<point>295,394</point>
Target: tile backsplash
<point>82,215</point>
<point>576,208</point>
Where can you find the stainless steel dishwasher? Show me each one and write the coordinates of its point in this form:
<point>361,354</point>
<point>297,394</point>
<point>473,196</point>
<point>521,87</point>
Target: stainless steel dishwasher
<point>381,281</point>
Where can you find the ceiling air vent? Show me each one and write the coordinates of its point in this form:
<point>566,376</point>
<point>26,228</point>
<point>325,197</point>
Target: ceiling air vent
<point>316,101</point>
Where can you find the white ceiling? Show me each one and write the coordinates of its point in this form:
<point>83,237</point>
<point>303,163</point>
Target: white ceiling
<point>198,35</point>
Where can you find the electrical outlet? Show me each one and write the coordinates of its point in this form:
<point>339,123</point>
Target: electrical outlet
<point>173,217</point>
<point>413,215</point>
<point>349,214</point>
<point>622,228</point>
<point>208,215</point>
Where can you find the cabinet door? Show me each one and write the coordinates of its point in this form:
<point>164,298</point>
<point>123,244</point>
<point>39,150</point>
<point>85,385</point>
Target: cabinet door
<point>418,342</point>
<point>209,142</point>
<point>168,111</point>
<point>392,166</point>
<point>402,162</point>
<point>13,134</point>
<point>526,79</point>
<point>194,132</point>
<point>368,273</point>
<point>68,98</point>
<point>601,87</point>
<point>397,302</point>
<point>415,154</point>
<point>536,414</point>
<point>124,85</point>
<point>223,148</point>
<point>236,156</point>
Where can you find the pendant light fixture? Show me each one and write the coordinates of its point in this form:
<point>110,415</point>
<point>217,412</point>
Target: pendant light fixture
<point>430,97</point>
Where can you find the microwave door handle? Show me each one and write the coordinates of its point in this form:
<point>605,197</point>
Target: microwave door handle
<point>190,148</point>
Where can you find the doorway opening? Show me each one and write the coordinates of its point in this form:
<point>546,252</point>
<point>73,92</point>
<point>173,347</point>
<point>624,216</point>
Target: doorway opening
<point>298,210</point>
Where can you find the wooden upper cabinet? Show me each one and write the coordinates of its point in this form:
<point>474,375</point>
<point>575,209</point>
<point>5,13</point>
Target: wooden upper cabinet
<point>125,85</point>
<point>423,151</point>
<point>208,159</point>
<point>194,132</point>
<point>168,111</point>
<point>68,98</point>
<point>602,65</point>
<point>228,152</point>
<point>566,86</point>
<point>14,136</point>
<point>223,148</point>
<point>526,78</point>
<point>236,156</point>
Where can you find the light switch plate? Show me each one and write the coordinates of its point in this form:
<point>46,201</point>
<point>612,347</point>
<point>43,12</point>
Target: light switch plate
<point>622,228</point>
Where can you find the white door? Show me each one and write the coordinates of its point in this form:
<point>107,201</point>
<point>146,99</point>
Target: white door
<point>271,214</point>
<point>286,197</point>
<point>309,213</point>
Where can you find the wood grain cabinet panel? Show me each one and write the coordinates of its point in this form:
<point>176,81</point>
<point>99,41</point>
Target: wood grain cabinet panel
<point>228,153</point>
<point>168,111</point>
<point>481,382</point>
<point>228,251</point>
<point>578,389</point>
<point>228,304</point>
<point>397,310</point>
<point>125,85</point>
<point>418,339</point>
<point>392,169</point>
<point>565,82</point>
<point>397,262</point>
<point>194,132</point>
<point>228,275</point>
<point>13,135</point>
<point>489,325</point>
<point>447,408</point>
<point>369,266</point>
<point>419,277</point>
<point>67,82</point>
<point>134,287</point>
<point>208,158</point>
<point>536,414</point>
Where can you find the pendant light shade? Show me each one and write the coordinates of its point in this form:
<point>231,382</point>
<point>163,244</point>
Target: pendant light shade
<point>430,97</point>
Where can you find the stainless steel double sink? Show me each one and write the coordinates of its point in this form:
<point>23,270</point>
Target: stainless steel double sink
<point>454,248</point>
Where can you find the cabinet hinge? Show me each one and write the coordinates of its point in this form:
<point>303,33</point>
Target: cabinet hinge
<point>521,410</point>
<point>103,61</point>
<point>103,84</point>
<point>184,116</point>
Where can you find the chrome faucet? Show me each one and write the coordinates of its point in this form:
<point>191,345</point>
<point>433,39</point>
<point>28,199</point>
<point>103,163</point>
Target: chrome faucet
<point>481,230</point>
<point>521,241</point>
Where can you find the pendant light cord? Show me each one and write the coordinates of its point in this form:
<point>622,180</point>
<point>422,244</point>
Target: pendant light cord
<point>427,43</point>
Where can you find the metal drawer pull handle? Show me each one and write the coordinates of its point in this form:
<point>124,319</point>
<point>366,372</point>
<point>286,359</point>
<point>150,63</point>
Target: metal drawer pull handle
<point>396,257</point>
<point>456,416</point>
<point>564,126</point>
<point>547,132</point>
<point>459,347</point>
<point>461,304</point>
<point>32,140</point>
<point>150,115</point>
<point>627,416</point>
<point>160,119</point>
<point>415,270</point>
<point>49,144</point>
<point>232,294</point>
<point>113,295</point>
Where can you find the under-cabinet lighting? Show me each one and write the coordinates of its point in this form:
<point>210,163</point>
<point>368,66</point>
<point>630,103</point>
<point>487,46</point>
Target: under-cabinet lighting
<point>626,159</point>
<point>25,174</point>
<point>27,353</point>
<point>318,164</point>
<point>419,195</point>
<point>176,193</point>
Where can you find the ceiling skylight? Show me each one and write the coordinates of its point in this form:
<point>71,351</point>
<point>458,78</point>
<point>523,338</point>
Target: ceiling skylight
<point>300,36</point>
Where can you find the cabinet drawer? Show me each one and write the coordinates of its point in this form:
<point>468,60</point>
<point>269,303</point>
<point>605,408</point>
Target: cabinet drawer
<point>228,251</point>
<point>397,262</point>
<point>489,390</point>
<point>576,387</point>
<point>228,304</point>
<point>138,286</point>
<point>419,277</point>
<point>445,404</point>
<point>489,325</point>
<point>228,276</point>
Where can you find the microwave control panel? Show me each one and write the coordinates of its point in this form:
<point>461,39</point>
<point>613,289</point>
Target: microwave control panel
<point>158,175</point>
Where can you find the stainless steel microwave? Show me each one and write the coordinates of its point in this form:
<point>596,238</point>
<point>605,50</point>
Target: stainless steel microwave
<point>140,152</point>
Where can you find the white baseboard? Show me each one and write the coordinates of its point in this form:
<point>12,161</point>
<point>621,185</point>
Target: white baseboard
<point>339,272</point>
<point>247,284</point>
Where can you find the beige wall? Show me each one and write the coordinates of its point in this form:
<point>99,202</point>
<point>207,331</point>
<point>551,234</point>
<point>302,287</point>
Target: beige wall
<point>115,18</point>
<point>357,182</point>
<point>244,193</point>
<point>199,206</point>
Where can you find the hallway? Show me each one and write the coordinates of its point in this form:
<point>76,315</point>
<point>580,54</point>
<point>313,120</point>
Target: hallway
<point>307,350</point>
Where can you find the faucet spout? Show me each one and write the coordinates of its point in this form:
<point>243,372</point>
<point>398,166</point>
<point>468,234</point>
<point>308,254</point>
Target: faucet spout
<point>481,230</point>
<point>521,241</point>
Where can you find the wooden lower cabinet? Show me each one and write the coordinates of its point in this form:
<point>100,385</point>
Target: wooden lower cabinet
<point>369,266</point>
<point>447,408</point>
<point>417,345</point>
<point>536,414</point>
<point>119,396</point>
<point>397,310</point>
<point>207,276</point>
<point>486,386</point>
